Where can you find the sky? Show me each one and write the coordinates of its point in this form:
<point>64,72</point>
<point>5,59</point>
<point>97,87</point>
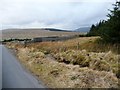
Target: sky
<point>61,14</point>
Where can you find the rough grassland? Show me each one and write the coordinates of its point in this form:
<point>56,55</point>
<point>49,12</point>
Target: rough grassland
<point>70,64</point>
<point>32,33</point>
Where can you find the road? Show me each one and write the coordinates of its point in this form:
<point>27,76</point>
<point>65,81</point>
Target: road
<point>14,75</point>
<point>0,67</point>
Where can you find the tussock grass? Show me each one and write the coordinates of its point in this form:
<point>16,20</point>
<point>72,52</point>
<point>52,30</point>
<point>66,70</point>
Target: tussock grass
<point>60,75</point>
<point>96,61</point>
<point>76,63</point>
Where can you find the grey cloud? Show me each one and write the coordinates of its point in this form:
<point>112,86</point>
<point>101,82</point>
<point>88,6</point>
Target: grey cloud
<point>64,15</point>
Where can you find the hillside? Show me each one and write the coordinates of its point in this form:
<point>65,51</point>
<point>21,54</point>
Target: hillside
<point>83,29</point>
<point>31,33</point>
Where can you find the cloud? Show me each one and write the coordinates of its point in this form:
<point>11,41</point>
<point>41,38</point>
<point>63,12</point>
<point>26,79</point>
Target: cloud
<point>64,14</point>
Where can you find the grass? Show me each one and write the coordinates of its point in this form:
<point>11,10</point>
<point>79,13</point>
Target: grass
<point>96,61</point>
<point>77,63</point>
<point>88,43</point>
<point>60,75</point>
<point>99,46</point>
<point>32,33</point>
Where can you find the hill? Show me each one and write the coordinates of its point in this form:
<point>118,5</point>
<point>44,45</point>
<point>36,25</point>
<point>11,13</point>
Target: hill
<point>83,29</point>
<point>31,33</point>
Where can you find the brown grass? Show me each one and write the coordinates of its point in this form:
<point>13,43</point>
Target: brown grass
<point>75,63</point>
<point>60,75</point>
<point>88,43</point>
<point>32,33</point>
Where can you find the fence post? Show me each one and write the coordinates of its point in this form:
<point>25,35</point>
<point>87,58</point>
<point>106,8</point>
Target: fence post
<point>78,45</point>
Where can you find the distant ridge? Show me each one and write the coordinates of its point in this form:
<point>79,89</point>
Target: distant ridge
<point>83,29</point>
<point>53,29</point>
<point>35,32</point>
<point>49,29</point>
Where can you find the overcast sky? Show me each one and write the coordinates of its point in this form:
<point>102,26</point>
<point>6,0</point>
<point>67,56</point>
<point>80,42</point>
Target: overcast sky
<point>62,14</point>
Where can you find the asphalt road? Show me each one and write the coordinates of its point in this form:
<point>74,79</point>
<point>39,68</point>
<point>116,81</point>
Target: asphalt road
<point>14,75</point>
<point>0,67</point>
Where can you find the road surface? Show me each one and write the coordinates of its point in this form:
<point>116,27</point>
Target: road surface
<point>14,75</point>
<point>0,67</point>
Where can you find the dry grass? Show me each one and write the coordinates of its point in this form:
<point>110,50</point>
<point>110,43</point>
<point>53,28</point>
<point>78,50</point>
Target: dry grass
<point>60,75</point>
<point>75,63</point>
<point>96,61</point>
<point>32,33</point>
<point>59,46</point>
<point>87,43</point>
